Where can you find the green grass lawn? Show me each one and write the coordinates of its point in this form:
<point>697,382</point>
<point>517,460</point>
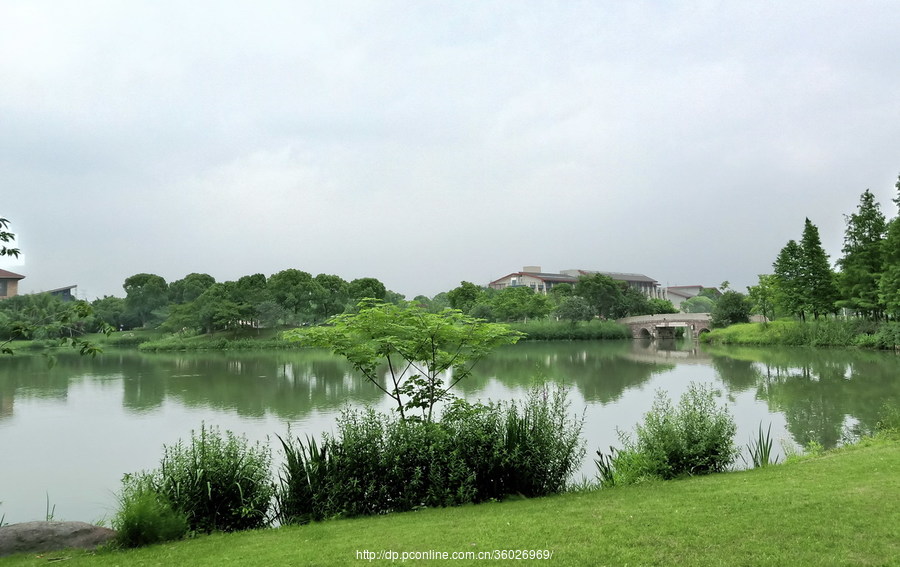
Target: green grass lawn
<point>841,508</point>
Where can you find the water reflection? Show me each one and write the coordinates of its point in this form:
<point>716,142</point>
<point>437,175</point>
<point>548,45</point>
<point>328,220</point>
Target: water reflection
<point>819,392</point>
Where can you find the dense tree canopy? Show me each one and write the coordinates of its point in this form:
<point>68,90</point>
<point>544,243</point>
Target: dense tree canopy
<point>144,294</point>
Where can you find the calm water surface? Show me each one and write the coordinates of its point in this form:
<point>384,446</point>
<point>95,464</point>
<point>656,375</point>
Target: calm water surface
<point>69,432</point>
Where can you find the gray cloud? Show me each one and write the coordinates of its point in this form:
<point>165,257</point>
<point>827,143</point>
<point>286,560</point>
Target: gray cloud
<point>427,143</point>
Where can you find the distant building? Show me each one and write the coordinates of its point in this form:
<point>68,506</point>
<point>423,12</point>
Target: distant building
<point>65,293</point>
<point>533,277</point>
<point>679,293</point>
<point>9,284</point>
<point>543,282</point>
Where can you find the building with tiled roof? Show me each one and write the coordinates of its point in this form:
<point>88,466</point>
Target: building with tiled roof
<point>9,283</point>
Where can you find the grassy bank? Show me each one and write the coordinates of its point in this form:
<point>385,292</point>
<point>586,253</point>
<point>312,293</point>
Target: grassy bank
<point>835,509</point>
<point>822,333</point>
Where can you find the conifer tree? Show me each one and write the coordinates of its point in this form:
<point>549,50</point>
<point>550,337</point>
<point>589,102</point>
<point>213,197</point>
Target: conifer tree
<point>788,293</point>
<point>889,285</point>
<point>816,277</point>
<point>862,262</point>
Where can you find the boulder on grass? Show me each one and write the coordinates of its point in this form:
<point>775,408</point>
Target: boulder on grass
<point>36,537</point>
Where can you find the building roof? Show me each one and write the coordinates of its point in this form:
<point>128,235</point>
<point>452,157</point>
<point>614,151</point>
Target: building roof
<point>557,278</point>
<point>10,275</point>
<point>620,276</point>
<point>59,289</point>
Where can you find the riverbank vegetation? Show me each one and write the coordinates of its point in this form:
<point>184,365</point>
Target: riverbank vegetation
<point>710,520</point>
<point>833,332</point>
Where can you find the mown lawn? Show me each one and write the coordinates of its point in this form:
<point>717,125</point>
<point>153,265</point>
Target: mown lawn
<point>841,508</point>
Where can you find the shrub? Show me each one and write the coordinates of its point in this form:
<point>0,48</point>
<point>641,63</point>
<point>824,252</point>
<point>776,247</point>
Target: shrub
<point>218,482</point>
<point>144,517</point>
<point>696,437</point>
<point>378,463</point>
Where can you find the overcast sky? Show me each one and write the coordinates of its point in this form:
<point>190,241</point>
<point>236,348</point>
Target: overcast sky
<point>425,143</point>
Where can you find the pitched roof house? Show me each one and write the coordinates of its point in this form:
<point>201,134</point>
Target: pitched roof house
<point>9,283</point>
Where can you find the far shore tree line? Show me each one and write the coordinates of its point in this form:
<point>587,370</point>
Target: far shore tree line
<point>803,285</point>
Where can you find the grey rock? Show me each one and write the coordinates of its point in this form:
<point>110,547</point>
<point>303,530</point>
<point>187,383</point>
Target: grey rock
<point>37,537</point>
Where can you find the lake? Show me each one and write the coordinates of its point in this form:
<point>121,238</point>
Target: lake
<point>69,431</point>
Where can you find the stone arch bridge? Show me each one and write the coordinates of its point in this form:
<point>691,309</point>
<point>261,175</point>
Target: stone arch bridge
<point>663,326</point>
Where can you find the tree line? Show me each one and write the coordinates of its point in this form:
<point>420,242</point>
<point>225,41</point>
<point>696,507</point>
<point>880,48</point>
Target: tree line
<point>865,283</point>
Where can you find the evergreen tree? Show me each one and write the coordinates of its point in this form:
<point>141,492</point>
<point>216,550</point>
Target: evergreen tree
<point>788,294</point>
<point>863,259</point>
<point>889,285</point>
<point>817,280</point>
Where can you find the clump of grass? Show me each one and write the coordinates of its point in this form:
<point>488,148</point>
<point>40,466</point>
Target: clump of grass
<point>760,449</point>
<point>144,517</point>
<point>219,482</point>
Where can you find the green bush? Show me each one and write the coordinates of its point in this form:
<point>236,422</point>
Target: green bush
<point>144,517</point>
<point>219,482</point>
<point>378,463</point>
<point>695,437</point>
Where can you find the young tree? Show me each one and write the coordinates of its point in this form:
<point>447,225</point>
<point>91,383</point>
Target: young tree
<point>426,353</point>
<point>816,275</point>
<point>863,259</point>
<point>762,296</point>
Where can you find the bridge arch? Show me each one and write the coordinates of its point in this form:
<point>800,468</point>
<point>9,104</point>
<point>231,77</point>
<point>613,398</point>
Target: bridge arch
<point>665,325</point>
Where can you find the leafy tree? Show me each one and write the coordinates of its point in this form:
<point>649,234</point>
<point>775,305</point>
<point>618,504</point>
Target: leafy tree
<point>731,308</point>
<point>519,303</point>
<point>789,294</point>
<point>190,287</point>
<point>363,288</point>
<point>561,291</point>
<point>295,291</point>
<point>144,294</point>
<point>574,308</point>
<point>394,297</point>
<point>698,304</point>
<point>631,302</point>
<point>419,349</point>
<point>333,297</point>
<point>816,277</point>
<point>762,296</point>
<point>863,259</point>
<point>465,296</point>
<point>660,306</point>
<point>602,293</point>
<point>111,310</point>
